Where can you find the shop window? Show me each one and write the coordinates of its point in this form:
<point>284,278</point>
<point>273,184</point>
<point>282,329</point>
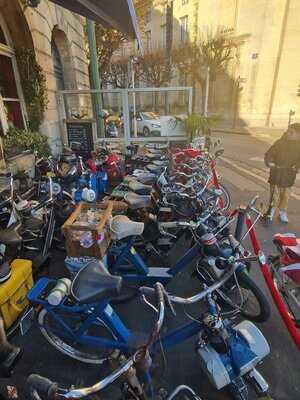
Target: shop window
<point>11,110</point>
<point>57,66</point>
<point>2,37</point>
<point>9,93</point>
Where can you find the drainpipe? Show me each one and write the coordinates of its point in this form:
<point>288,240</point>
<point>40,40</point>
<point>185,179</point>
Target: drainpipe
<point>95,76</point>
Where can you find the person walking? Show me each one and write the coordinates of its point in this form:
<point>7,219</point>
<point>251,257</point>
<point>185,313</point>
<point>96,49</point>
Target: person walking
<point>283,159</point>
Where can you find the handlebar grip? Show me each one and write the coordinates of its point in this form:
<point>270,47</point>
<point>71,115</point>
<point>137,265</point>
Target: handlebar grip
<point>43,386</point>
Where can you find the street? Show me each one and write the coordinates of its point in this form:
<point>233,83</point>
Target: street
<point>243,172</point>
<point>246,175</point>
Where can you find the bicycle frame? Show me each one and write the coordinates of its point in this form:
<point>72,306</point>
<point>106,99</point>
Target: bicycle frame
<point>149,275</point>
<point>215,179</point>
<point>265,269</point>
<point>103,313</point>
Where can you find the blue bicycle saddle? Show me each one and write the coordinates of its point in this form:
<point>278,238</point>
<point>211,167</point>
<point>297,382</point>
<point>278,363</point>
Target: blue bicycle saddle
<point>94,283</point>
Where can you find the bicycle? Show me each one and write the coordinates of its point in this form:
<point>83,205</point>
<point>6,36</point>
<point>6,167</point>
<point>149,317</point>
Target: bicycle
<point>237,349</point>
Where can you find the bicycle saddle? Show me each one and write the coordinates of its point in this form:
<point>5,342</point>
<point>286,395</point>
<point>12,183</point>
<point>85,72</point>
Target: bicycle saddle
<point>146,178</point>
<point>139,187</point>
<point>94,283</point>
<point>10,235</point>
<point>154,168</point>
<point>122,227</point>
<point>136,201</point>
<point>160,163</point>
<point>154,151</point>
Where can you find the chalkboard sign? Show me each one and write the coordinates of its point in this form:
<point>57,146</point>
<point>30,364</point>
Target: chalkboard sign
<point>81,132</point>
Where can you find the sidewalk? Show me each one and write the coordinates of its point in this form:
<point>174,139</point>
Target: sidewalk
<point>266,134</point>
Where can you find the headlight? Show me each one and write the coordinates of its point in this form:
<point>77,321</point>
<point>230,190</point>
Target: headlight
<point>155,126</point>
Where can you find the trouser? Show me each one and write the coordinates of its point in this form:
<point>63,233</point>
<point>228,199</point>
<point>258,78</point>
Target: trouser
<point>279,197</point>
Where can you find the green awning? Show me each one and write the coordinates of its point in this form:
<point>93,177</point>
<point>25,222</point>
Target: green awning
<point>118,14</point>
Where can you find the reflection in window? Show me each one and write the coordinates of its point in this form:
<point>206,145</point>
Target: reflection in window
<point>184,29</point>
<point>148,40</point>
<point>57,66</point>
<point>2,37</point>
<point>13,113</point>
<point>163,29</point>
<point>8,86</point>
<point>8,91</point>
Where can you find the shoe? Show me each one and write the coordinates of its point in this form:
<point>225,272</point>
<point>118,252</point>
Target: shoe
<point>269,215</point>
<point>283,217</point>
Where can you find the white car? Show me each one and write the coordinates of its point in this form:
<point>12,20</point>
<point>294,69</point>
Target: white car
<point>148,123</point>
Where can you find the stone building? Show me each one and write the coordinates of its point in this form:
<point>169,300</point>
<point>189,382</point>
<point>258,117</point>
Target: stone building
<point>56,36</point>
<point>259,89</point>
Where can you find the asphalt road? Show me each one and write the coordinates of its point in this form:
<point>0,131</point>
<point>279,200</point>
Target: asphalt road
<point>244,174</point>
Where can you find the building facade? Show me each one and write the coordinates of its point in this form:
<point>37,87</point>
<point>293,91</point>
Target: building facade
<point>259,88</point>
<point>56,36</point>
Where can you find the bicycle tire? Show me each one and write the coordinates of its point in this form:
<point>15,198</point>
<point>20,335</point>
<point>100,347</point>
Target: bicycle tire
<point>284,297</point>
<point>225,295</point>
<point>226,197</point>
<point>69,350</point>
<point>265,310</point>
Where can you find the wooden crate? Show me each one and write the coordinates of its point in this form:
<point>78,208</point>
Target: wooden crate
<point>75,226</point>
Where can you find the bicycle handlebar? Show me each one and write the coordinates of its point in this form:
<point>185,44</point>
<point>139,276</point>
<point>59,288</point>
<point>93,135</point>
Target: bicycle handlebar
<point>235,263</point>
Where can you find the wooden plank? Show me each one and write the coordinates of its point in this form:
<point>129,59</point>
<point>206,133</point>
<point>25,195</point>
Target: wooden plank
<point>105,217</point>
<point>72,217</point>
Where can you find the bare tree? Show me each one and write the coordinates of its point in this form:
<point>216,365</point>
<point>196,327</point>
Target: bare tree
<point>155,70</point>
<point>107,42</point>
<point>214,50</point>
<point>186,58</point>
<point>116,74</point>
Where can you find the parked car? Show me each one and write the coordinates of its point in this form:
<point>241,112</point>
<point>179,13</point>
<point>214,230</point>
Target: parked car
<point>148,123</point>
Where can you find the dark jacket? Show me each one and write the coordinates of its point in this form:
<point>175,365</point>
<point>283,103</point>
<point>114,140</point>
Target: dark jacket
<point>285,154</point>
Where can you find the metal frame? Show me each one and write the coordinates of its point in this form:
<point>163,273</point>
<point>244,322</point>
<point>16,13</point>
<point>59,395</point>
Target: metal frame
<point>124,94</point>
<point>103,311</point>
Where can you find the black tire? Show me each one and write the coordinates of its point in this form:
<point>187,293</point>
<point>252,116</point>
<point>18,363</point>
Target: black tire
<point>226,197</point>
<point>229,296</point>
<point>146,132</point>
<point>293,311</point>
<point>264,313</point>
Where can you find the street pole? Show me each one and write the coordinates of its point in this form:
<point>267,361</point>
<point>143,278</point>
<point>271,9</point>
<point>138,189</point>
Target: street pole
<point>133,99</point>
<point>206,93</point>
<point>95,76</point>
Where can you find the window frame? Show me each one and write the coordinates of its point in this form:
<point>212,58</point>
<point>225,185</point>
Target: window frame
<point>7,50</point>
<point>163,35</point>
<point>148,37</point>
<point>148,16</point>
<point>184,28</point>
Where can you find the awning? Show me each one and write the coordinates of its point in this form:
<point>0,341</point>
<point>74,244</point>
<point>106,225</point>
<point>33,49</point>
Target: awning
<point>118,14</point>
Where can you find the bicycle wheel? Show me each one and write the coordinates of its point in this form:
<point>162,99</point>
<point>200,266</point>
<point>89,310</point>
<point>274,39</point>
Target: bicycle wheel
<point>245,298</point>
<point>226,197</point>
<point>255,305</point>
<point>282,285</point>
<point>81,352</point>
